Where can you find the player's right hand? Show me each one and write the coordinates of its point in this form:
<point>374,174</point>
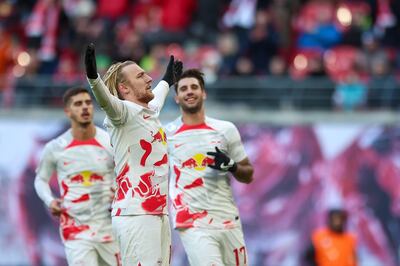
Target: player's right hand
<point>90,62</point>
<point>56,207</point>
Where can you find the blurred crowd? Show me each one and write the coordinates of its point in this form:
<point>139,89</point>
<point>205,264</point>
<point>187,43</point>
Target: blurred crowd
<point>353,42</point>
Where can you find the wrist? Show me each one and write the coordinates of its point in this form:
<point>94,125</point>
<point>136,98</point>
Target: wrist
<point>233,168</point>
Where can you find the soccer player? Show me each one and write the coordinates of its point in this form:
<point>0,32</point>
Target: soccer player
<point>139,212</point>
<point>203,151</point>
<point>83,160</point>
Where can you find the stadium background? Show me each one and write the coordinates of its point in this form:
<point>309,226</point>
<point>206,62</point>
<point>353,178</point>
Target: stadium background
<point>313,86</point>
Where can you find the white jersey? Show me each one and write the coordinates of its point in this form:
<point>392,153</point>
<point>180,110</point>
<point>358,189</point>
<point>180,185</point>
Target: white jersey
<point>202,196</point>
<point>85,173</point>
<point>140,151</point>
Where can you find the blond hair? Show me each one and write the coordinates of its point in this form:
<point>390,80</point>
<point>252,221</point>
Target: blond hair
<point>114,76</point>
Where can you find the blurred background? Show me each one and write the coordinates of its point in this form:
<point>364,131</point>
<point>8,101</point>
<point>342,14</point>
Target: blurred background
<point>313,86</point>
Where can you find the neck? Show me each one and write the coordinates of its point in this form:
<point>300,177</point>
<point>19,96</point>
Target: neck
<point>83,132</point>
<point>131,98</point>
<point>194,118</point>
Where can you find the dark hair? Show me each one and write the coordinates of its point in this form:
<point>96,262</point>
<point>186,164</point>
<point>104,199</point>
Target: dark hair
<point>191,73</point>
<point>335,211</point>
<point>72,92</point>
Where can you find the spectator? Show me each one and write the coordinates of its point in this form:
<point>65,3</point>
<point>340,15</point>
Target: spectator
<point>332,245</point>
<point>320,34</point>
<point>277,66</point>
<point>262,42</point>
<point>351,94</point>
<point>383,87</point>
<point>227,45</point>
<point>371,52</point>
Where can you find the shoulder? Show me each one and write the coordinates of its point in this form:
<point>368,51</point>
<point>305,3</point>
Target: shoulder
<point>173,126</point>
<point>352,237</point>
<point>57,143</point>
<point>318,233</point>
<point>101,132</point>
<point>103,137</point>
<point>223,126</point>
<point>218,123</point>
<point>61,141</point>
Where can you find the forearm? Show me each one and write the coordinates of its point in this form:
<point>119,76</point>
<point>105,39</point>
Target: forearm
<point>244,173</point>
<point>109,103</point>
<point>160,93</point>
<point>43,190</point>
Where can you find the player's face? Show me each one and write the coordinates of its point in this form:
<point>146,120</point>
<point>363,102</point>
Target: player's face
<point>138,82</point>
<point>80,109</point>
<point>189,95</point>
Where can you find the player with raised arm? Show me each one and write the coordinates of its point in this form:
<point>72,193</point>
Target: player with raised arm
<point>139,212</point>
<point>83,160</point>
<point>203,151</point>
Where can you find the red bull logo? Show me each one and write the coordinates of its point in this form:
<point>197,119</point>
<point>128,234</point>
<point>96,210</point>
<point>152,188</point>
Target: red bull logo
<point>96,177</point>
<point>198,162</point>
<point>87,178</point>
<point>159,136</point>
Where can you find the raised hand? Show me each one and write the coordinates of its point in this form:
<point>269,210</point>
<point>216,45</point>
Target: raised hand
<point>222,162</point>
<point>173,71</point>
<point>178,69</point>
<point>90,62</point>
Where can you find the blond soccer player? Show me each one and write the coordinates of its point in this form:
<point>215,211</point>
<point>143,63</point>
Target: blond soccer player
<point>132,107</point>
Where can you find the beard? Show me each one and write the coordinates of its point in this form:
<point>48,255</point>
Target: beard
<point>81,123</point>
<point>145,97</point>
<point>193,108</point>
<point>84,124</point>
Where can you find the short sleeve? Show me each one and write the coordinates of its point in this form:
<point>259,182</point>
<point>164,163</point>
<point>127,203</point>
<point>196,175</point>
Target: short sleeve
<point>235,146</point>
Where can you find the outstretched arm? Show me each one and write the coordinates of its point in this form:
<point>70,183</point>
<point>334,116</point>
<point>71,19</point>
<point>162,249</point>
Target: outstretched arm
<point>113,107</point>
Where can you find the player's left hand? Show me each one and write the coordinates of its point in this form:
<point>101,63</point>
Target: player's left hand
<point>222,162</point>
<point>173,71</point>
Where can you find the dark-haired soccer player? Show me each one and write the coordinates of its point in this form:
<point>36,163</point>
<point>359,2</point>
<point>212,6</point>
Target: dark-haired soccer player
<point>203,151</point>
<point>83,161</point>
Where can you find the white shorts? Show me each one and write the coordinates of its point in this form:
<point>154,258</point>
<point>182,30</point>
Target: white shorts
<point>211,247</point>
<point>144,239</point>
<point>86,252</point>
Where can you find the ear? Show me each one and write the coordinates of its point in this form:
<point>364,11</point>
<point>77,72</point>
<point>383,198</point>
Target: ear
<point>67,111</point>
<point>204,95</point>
<point>176,99</point>
<point>122,89</point>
